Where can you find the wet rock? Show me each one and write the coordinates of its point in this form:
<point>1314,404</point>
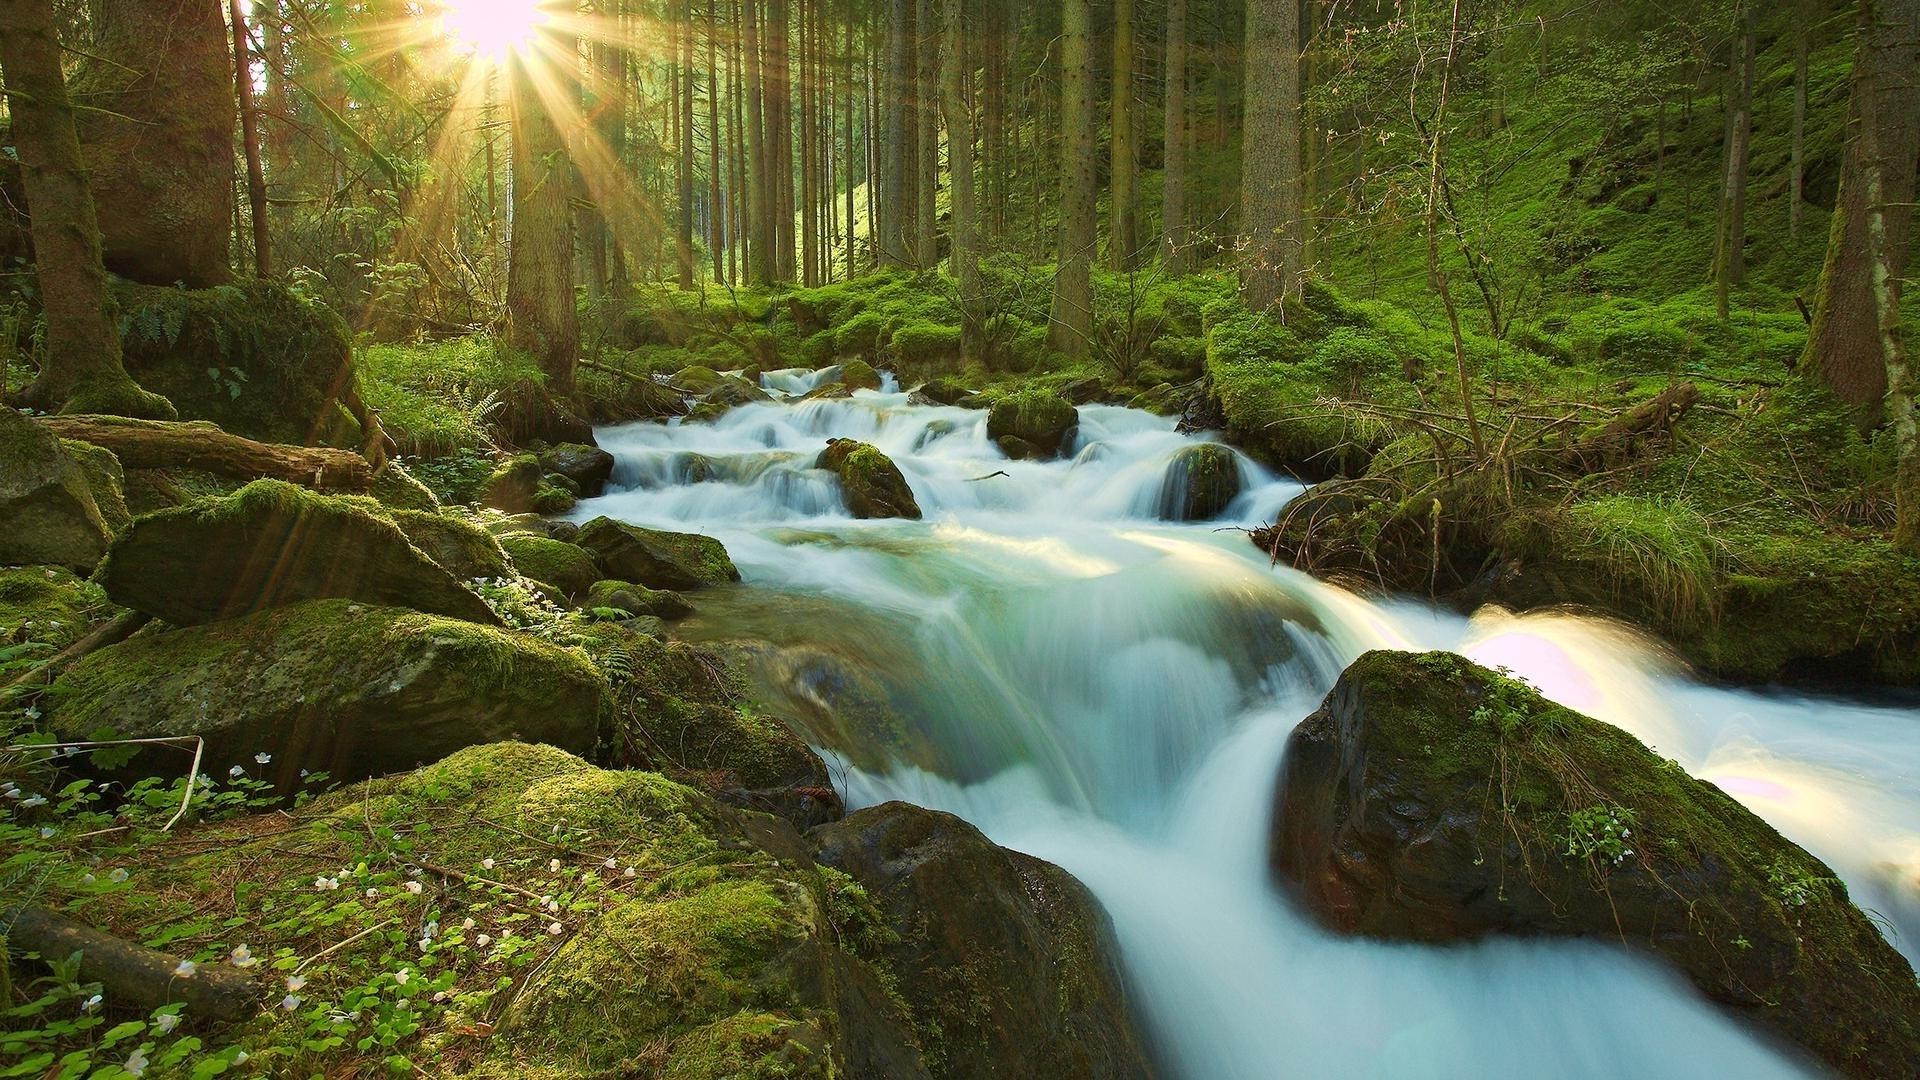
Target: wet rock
<point>870,483</point>
<point>1004,962</point>
<point>47,510</point>
<point>513,485</point>
<point>1085,391</point>
<point>859,375</point>
<point>589,467</point>
<point>637,600</point>
<point>1201,481</point>
<point>1432,800</point>
<point>1032,424</point>
<point>567,567</point>
<point>271,544</point>
<point>657,558</point>
<point>331,685</point>
<point>464,549</point>
<point>945,390</point>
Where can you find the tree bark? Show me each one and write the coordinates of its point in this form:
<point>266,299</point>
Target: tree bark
<point>897,154</point>
<point>133,975</point>
<point>1270,255</point>
<point>540,308</point>
<point>1071,320</point>
<point>959,115</point>
<point>761,267</point>
<point>83,369</point>
<point>250,141</point>
<point>1845,346</point>
<point>1123,234</point>
<point>1173,188</point>
<point>684,146</point>
<point>926,229</point>
<point>1797,163</point>
<point>157,125</point>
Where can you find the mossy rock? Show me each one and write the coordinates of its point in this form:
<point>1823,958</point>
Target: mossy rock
<point>106,481</point>
<point>334,686</point>
<point>1005,962</point>
<point>47,509</point>
<point>567,567</point>
<point>946,390</point>
<point>254,357</point>
<point>269,544</point>
<point>859,375</point>
<point>549,499</point>
<point>637,600</point>
<point>464,549</point>
<point>513,485</point>
<point>1200,482</point>
<point>657,558</point>
<point>589,467</point>
<point>1032,424</point>
<point>871,485</point>
<point>47,604</point>
<point>1430,799</point>
<point>398,488</point>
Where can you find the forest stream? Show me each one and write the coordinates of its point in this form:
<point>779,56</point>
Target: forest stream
<point>1112,691</point>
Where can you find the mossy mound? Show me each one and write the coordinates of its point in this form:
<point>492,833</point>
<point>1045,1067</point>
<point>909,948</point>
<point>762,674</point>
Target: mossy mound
<point>1032,424</point>
<point>254,357</point>
<point>1430,799</point>
<point>1281,407</point>
<point>106,481</point>
<point>657,558</point>
<point>588,467</point>
<point>524,914</point>
<point>513,484</point>
<point>273,543</point>
<point>331,686</point>
<point>462,548</point>
<point>567,567</point>
<point>870,483</point>
<point>47,509</point>
<point>399,488</point>
<point>857,374</point>
<point>48,605</point>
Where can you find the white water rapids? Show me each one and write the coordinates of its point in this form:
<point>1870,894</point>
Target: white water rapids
<point>1113,692</point>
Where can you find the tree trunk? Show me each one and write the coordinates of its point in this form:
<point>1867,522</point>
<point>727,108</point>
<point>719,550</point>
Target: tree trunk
<point>1845,346</point>
<point>1123,234</point>
<point>761,267</point>
<point>959,115</point>
<point>1270,256</point>
<point>685,149</point>
<point>1730,263</point>
<point>82,371</point>
<point>1173,188</point>
<point>158,131</point>
<point>1071,321</point>
<point>149,444</point>
<point>926,229</point>
<point>1797,158</point>
<point>717,217</point>
<point>250,141</point>
<point>897,156</point>
<point>540,310</point>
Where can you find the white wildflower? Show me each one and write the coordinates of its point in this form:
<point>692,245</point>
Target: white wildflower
<point>236,772</point>
<point>486,863</point>
<point>37,800</point>
<point>136,1062</point>
<point>555,928</point>
<point>290,1002</point>
<point>165,1023</point>
<point>553,865</point>
<point>295,983</point>
<point>185,968</point>
<point>90,1004</point>
<point>414,887</point>
<point>483,940</point>
<point>263,757</point>
<point>242,957</point>
<point>119,874</point>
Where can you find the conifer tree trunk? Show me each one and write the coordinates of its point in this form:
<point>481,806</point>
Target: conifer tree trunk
<point>897,154</point>
<point>1270,255</point>
<point>1071,321</point>
<point>780,132</point>
<point>82,371</point>
<point>717,217</point>
<point>1730,262</point>
<point>1173,189</point>
<point>849,151</point>
<point>926,242</point>
<point>1123,235</point>
<point>959,115</point>
<point>760,204</point>
<point>1797,164</point>
<point>684,147</point>
<point>250,141</point>
<point>809,204</point>
<point>736,146</point>
<point>540,311</point>
<point>1869,239</point>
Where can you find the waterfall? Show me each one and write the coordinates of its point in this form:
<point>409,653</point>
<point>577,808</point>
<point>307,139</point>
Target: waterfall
<point>1112,692</point>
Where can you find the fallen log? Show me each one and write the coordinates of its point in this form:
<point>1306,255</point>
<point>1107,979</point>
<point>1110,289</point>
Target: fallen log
<point>1624,434</point>
<point>160,444</point>
<point>131,975</point>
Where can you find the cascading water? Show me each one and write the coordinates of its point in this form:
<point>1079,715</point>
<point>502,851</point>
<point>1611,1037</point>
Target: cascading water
<point>1112,692</point>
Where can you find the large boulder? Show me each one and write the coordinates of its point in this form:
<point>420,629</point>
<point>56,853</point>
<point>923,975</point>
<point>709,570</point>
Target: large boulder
<point>1200,482</point>
<point>637,600</point>
<point>513,485</point>
<point>588,467</point>
<point>270,544</point>
<point>461,547</point>
<point>47,509</point>
<point>1004,962</point>
<point>657,558</point>
<point>256,358</point>
<point>870,483</point>
<point>1032,424</point>
<point>567,567</point>
<point>333,686</point>
<point>1430,799</point>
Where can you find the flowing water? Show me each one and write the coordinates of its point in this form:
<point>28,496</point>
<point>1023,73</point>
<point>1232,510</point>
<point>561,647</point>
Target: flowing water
<point>1112,692</point>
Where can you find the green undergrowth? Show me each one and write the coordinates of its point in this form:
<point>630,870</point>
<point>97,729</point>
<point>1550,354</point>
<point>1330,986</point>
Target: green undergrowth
<point>439,398</point>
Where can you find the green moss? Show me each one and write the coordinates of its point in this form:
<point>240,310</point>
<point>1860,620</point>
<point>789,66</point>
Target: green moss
<point>925,346</point>
<point>513,485</point>
<point>439,398</point>
<point>1039,423</point>
<point>106,481</point>
<point>254,357</point>
<point>47,604</point>
<point>870,484</point>
<point>568,567</point>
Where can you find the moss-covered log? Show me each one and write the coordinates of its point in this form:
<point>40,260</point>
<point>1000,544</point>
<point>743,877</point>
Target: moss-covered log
<point>159,444</point>
<point>131,975</point>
